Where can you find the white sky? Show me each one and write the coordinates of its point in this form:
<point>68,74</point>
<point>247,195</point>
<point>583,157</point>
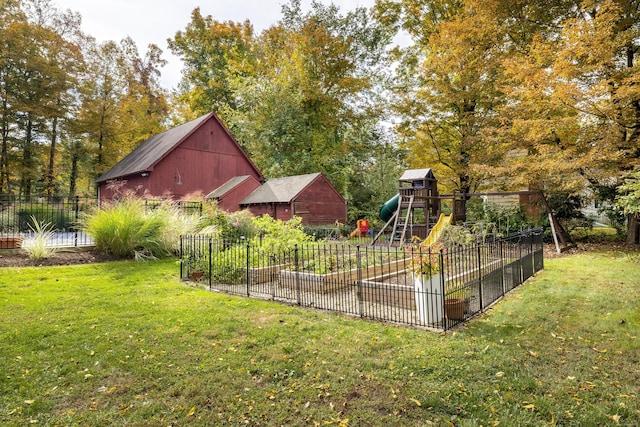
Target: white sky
<point>154,21</point>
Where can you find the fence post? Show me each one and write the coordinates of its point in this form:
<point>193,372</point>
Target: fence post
<point>359,278</point>
<point>77,214</point>
<point>181,257</point>
<point>442,289</point>
<point>210,245</point>
<point>248,273</point>
<point>480,278</point>
<point>502,271</point>
<point>297,275</point>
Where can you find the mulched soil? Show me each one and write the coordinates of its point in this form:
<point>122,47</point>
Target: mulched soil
<point>17,258</point>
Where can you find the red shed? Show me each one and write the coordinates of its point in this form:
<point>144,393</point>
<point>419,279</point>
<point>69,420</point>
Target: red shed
<point>198,156</point>
<point>229,195</point>
<point>311,197</point>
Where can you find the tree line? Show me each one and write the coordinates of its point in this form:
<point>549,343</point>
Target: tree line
<point>491,94</point>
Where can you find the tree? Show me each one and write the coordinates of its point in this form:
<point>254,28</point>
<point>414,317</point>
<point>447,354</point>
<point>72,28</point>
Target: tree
<point>448,93</point>
<point>317,82</point>
<point>573,101</point>
<point>213,54</point>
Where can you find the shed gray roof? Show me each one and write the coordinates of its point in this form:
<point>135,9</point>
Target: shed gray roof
<point>227,186</point>
<point>280,190</point>
<point>411,174</point>
<point>143,158</point>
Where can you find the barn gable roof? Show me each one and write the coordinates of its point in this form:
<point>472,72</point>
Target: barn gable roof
<point>280,190</point>
<point>154,149</point>
<point>227,186</point>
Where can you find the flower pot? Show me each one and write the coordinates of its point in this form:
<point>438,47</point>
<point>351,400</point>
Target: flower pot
<point>10,242</point>
<point>197,275</point>
<point>454,308</point>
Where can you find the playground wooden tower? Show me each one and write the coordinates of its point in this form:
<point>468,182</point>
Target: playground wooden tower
<point>414,210</point>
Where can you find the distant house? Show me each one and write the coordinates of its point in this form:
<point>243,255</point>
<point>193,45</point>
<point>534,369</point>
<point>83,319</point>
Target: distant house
<point>311,197</point>
<point>229,195</point>
<point>198,156</point>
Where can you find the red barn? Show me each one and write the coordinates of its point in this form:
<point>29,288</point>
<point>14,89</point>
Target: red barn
<point>311,197</point>
<point>196,157</point>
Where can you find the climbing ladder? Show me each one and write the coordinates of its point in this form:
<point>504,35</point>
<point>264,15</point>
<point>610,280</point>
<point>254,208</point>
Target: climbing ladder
<point>401,222</point>
<point>403,216</point>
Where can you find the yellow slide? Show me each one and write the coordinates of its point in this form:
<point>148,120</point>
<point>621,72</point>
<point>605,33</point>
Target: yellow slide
<point>436,231</point>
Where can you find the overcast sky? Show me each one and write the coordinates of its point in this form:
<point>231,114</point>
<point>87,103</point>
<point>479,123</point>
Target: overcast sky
<point>154,21</point>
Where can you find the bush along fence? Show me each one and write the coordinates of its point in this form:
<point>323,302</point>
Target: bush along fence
<point>434,289</point>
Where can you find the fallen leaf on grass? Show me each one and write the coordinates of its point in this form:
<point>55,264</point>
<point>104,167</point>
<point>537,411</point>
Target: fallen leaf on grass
<point>615,418</point>
<point>416,401</point>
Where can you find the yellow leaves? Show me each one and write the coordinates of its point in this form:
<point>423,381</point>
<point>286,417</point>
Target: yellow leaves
<point>191,411</point>
<point>599,351</point>
<point>615,418</point>
<point>500,374</point>
<point>529,406</point>
<point>586,386</point>
<point>416,401</point>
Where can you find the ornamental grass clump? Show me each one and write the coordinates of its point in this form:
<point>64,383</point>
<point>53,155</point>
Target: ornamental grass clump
<point>128,229</point>
<point>38,246</point>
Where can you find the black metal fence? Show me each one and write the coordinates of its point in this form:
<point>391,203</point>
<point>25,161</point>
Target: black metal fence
<point>18,213</point>
<point>61,214</point>
<point>369,282</point>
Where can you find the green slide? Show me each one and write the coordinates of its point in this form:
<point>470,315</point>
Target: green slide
<point>389,208</point>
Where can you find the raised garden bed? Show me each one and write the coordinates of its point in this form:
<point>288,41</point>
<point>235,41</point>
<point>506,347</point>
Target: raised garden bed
<point>335,281</point>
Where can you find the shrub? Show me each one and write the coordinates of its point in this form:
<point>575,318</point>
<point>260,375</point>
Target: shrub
<point>38,246</point>
<point>277,236</point>
<point>226,226</point>
<point>126,229</point>
<point>60,219</point>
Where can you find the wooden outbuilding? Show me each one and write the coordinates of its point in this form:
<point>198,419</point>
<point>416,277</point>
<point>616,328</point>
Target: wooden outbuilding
<point>311,197</point>
<point>229,195</point>
<point>196,157</point>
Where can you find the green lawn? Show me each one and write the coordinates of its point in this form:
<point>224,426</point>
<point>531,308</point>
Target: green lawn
<point>126,343</point>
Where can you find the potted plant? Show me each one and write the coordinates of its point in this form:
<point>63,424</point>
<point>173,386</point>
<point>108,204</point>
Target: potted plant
<point>13,241</point>
<point>196,268</point>
<point>429,280</point>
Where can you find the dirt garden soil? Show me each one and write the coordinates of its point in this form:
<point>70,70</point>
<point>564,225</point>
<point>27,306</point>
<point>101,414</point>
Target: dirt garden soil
<point>18,258</point>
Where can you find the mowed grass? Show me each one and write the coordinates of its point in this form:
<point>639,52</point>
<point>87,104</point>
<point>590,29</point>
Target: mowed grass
<point>126,343</point>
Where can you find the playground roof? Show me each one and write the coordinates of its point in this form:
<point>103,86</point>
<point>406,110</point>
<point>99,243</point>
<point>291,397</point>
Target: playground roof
<point>413,174</point>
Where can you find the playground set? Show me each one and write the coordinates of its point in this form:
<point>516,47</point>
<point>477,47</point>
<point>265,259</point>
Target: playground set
<point>416,211</point>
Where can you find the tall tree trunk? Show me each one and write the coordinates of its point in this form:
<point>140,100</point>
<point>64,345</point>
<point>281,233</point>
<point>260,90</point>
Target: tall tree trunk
<point>50,187</point>
<point>73,175</point>
<point>27,160</point>
<point>633,229</point>
<point>4,150</point>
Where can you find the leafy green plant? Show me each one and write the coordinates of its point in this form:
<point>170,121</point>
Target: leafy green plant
<point>277,237</point>
<point>38,246</point>
<point>126,229</point>
<point>60,219</point>
<point>226,226</point>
